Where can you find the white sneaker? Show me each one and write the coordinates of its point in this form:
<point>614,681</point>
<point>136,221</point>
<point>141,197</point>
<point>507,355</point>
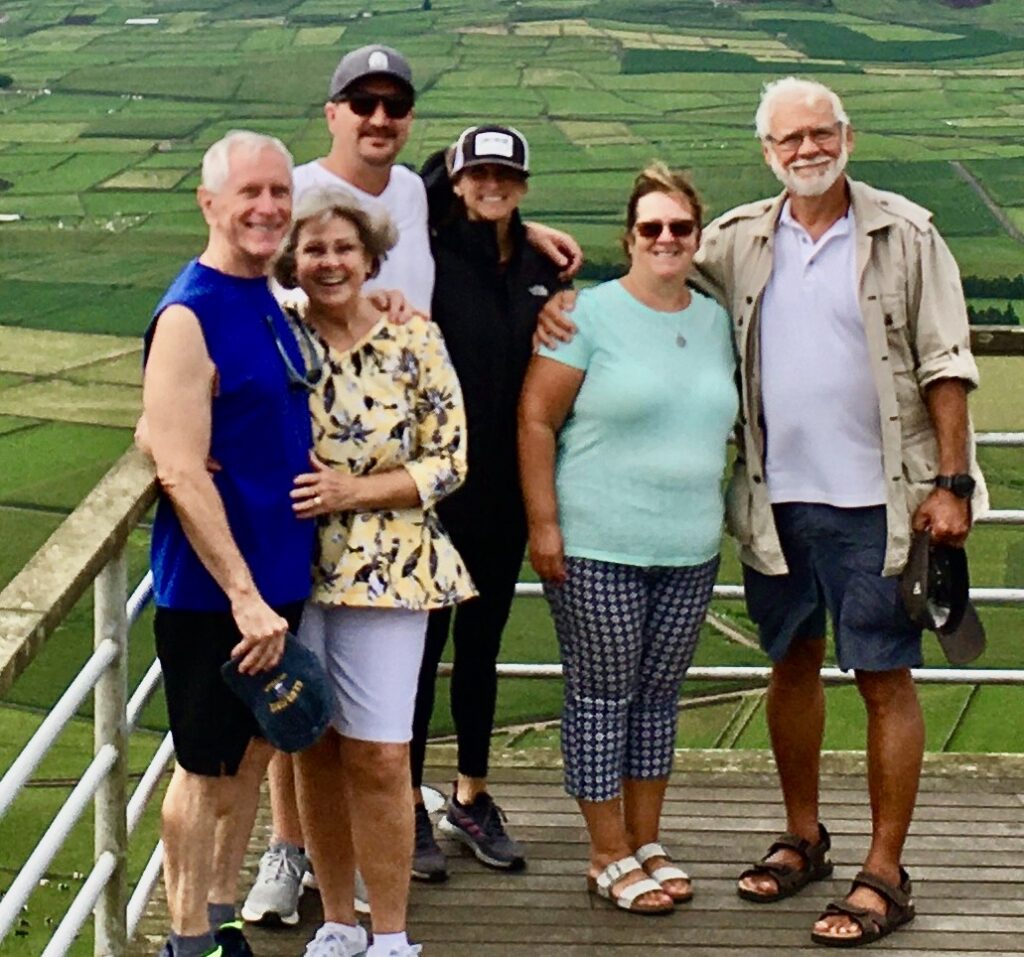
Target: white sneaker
<point>329,942</point>
<point>409,950</point>
<point>274,898</point>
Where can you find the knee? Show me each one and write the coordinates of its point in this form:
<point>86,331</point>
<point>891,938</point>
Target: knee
<point>800,667</point>
<point>376,765</point>
<point>886,692</point>
<point>187,796</point>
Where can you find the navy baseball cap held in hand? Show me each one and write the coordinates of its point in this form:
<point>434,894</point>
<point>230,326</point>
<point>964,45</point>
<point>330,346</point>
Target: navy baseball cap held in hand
<point>935,587</point>
<point>291,701</point>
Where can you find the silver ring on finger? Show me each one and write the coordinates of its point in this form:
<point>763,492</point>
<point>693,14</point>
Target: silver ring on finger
<point>317,501</point>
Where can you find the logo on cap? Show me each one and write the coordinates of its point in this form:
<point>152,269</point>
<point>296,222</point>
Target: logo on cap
<point>490,143</point>
<point>378,60</point>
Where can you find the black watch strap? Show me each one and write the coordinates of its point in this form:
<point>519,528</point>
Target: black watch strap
<point>961,484</point>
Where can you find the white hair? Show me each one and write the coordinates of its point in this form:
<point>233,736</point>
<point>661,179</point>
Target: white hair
<point>794,88</point>
<point>217,159</point>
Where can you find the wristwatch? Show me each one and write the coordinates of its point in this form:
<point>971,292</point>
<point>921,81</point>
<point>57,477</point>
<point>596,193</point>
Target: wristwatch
<point>961,485</point>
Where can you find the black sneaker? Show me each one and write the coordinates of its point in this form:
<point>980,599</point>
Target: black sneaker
<point>481,827</point>
<point>231,940</point>
<point>428,860</point>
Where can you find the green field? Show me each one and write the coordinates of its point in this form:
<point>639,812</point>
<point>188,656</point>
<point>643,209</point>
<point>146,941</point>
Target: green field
<point>103,126</point>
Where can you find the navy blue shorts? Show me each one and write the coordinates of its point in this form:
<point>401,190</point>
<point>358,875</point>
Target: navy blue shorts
<point>835,558</point>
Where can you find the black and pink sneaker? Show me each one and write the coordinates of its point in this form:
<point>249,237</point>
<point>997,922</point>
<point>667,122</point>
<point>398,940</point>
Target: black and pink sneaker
<point>481,827</point>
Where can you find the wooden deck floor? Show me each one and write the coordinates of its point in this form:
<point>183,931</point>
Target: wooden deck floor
<point>964,855</point>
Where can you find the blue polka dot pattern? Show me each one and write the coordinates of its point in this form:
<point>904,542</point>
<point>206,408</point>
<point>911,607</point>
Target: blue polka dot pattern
<point>627,635</point>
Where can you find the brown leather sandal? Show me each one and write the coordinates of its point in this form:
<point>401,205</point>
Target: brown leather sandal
<point>873,925</point>
<point>790,880</point>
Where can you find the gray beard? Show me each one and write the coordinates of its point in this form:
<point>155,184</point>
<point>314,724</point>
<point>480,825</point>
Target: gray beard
<point>821,184</point>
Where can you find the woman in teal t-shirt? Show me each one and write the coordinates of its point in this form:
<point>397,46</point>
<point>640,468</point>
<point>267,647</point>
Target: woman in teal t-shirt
<point>622,449</point>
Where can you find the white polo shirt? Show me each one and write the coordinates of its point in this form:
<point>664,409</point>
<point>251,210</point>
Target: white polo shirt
<point>409,267</point>
<point>821,410</point>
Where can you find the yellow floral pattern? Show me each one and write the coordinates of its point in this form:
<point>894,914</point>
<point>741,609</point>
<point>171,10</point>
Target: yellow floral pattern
<point>391,401</point>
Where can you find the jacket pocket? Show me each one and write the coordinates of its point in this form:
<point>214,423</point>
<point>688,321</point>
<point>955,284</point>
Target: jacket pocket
<point>897,332</point>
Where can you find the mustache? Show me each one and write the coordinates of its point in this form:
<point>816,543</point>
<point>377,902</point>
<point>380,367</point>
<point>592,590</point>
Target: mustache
<point>378,132</point>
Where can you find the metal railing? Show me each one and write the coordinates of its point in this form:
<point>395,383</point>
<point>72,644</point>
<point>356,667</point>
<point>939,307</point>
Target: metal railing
<point>89,549</point>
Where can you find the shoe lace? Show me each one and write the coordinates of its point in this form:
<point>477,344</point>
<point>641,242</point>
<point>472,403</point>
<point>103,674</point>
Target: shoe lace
<point>277,865</point>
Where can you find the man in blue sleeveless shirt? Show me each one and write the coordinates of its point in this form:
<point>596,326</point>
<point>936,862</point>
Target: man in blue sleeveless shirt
<point>230,561</point>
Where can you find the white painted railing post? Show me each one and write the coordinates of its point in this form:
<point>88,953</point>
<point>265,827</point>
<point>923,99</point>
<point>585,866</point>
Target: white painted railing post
<point>110,621</point>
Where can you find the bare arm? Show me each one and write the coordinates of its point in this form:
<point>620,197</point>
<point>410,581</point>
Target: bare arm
<point>561,248</point>
<point>549,391</point>
<point>177,406</point>
<point>328,489</point>
<point>553,322</point>
<point>948,517</point>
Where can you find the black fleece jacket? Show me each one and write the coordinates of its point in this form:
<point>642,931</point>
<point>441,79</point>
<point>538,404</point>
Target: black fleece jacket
<point>487,312</point>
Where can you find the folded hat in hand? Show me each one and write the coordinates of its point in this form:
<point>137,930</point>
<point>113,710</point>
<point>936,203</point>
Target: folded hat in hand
<point>291,701</point>
<point>935,587</point>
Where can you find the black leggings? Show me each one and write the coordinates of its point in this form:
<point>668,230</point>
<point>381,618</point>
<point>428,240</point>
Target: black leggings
<point>494,560</point>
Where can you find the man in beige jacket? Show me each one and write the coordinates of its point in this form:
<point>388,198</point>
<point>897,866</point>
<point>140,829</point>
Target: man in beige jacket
<point>855,362</point>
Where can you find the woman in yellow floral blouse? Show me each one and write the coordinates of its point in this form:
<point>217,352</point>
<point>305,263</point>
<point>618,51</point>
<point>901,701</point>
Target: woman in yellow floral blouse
<point>389,436</point>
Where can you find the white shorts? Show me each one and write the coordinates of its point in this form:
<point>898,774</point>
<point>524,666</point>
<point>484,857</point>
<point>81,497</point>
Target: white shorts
<point>372,657</point>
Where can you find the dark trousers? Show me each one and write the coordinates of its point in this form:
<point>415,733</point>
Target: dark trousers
<point>493,557</point>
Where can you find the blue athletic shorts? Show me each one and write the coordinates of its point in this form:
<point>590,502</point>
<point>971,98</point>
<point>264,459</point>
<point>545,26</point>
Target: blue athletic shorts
<point>835,558</point>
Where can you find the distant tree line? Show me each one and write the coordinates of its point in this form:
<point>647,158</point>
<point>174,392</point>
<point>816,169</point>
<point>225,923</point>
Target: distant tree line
<point>997,287</point>
<point>992,316</point>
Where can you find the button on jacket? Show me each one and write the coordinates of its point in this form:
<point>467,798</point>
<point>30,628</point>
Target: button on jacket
<point>915,321</point>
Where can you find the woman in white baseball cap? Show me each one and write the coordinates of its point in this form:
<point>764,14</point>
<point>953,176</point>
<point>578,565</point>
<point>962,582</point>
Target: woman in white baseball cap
<point>490,285</point>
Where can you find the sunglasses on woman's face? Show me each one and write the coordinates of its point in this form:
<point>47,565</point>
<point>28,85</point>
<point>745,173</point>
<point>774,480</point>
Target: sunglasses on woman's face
<point>653,228</point>
<point>397,106</point>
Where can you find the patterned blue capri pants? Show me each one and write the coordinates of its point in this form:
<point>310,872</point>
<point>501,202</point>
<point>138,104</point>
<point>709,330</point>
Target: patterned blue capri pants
<point>627,635</point>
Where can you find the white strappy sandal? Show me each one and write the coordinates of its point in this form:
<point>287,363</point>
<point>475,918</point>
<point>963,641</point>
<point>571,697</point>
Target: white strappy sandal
<point>627,896</point>
<point>665,873</point>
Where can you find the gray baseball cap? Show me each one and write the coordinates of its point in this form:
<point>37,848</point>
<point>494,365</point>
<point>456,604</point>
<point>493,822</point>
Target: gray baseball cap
<point>372,60</point>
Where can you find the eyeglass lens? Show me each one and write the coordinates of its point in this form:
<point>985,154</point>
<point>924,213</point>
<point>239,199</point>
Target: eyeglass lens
<point>679,228</point>
<point>820,136</point>
<point>396,106</point>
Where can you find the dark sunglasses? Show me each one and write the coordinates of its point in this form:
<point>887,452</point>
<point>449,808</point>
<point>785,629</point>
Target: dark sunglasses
<point>397,106</point>
<point>679,228</point>
<point>311,378</point>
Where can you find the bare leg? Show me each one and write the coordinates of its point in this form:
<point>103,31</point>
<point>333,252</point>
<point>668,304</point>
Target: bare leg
<point>324,810</point>
<point>642,804</point>
<point>189,828</point>
<point>796,722</point>
<point>467,788</point>
<point>610,842</point>
<point>284,806</point>
<point>895,753</point>
<point>377,786</point>
<point>236,813</point>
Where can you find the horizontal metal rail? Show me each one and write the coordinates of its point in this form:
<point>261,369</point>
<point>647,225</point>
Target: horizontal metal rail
<point>140,896</point>
<point>81,907</point>
<point>980,596</point>
<point>50,843</point>
<point>52,725</point>
<point>1006,440</point>
<point>755,673</point>
<point>150,779</point>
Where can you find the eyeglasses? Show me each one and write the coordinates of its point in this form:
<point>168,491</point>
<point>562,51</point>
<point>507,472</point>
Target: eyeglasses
<point>820,136</point>
<point>314,374</point>
<point>397,106</point>
<point>653,228</point>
